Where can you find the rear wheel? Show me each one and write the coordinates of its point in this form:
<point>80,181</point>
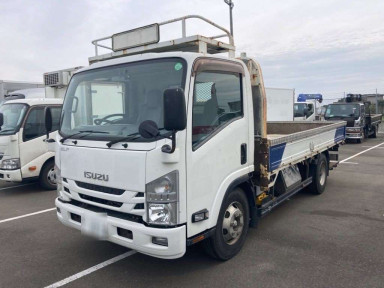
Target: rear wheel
<point>232,227</point>
<point>319,175</point>
<point>47,177</point>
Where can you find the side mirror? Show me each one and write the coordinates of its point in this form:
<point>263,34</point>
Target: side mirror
<point>1,120</point>
<point>48,120</point>
<point>306,112</point>
<point>175,115</point>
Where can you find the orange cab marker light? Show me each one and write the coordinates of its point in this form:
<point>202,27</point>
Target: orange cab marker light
<point>198,239</point>
<point>32,168</point>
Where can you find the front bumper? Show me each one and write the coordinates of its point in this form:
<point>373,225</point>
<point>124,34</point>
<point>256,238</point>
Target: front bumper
<point>141,235</point>
<point>354,134</point>
<point>11,175</point>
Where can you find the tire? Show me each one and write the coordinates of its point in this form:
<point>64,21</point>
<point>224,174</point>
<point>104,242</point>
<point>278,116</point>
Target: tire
<point>47,178</point>
<point>374,134</point>
<point>319,175</point>
<point>233,219</point>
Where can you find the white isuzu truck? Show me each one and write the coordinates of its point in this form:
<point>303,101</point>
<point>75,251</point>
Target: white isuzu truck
<point>23,153</point>
<point>165,144</point>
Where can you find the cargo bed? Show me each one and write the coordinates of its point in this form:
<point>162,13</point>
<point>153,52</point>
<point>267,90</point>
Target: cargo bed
<point>288,143</point>
<point>375,118</point>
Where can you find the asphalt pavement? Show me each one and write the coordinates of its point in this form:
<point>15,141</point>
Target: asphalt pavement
<point>332,240</point>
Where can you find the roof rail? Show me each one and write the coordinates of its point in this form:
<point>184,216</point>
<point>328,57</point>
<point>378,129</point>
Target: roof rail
<point>196,43</point>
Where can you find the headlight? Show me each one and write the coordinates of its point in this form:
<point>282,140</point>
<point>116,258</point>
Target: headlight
<point>10,164</point>
<point>162,199</point>
<point>162,213</point>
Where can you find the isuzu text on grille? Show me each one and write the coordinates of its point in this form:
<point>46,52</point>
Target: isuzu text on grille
<point>96,176</point>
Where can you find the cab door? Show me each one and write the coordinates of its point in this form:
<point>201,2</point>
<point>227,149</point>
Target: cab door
<point>32,145</point>
<point>217,141</point>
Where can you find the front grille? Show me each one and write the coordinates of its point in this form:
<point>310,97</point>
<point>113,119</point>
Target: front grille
<point>103,189</point>
<point>112,213</point>
<point>139,206</point>
<point>101,201</point>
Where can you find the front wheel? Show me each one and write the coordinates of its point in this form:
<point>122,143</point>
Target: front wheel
<point>47,177</point>
<point>319,175</point>
<point>232,227</point>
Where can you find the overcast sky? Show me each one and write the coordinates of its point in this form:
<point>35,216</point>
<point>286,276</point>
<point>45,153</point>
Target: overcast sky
<point>327,46</point>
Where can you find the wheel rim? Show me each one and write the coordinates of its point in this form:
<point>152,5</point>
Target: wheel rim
<point>51,177</point>
<point>323,174</point>
<point>233,223</point>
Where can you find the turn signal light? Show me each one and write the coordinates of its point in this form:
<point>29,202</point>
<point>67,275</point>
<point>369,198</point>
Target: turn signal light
<point>32,168</point>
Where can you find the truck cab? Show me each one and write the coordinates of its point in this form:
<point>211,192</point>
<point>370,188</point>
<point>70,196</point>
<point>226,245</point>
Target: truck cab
<point>304,111</point>
<point>23,153</point>
<point>360,122</point>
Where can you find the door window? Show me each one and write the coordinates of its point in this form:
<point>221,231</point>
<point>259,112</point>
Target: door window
<point>217,100</point>
<point>56,113</point>
<point>34,125</point>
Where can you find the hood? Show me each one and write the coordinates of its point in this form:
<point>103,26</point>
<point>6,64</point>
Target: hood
<point>122,169</point>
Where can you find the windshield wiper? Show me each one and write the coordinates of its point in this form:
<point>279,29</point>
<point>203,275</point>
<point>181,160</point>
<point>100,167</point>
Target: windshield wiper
<point>126,138</point>
<point>81,132</point>
<point>133,136</point>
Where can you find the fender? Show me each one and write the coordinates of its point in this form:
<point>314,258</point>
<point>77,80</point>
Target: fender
<point>38,162</point>
<point>244,181</point>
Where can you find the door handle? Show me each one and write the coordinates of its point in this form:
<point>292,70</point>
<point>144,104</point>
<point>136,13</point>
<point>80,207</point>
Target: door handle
<point>243,153</point>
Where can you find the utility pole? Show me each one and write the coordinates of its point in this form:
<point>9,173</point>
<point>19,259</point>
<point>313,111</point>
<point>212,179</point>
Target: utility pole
<point>230,4</point>
<point>377,103</point>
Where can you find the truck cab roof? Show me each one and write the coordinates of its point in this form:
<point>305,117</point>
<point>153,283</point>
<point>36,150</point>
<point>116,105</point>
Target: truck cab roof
<point>36,101</point>
<point>188,56</point>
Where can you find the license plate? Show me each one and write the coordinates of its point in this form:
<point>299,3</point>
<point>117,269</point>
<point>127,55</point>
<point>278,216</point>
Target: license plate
<point>95,225</point>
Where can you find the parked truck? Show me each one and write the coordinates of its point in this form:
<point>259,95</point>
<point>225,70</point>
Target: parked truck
<point>23,154</point>
<point>184,153</point>
<point>307,107</point>
<point>355,111</point>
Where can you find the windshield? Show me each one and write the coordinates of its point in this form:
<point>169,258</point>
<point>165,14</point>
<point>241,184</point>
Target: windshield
<point>342,110</point>
<point>113,101</point>
<point>13,116</point>
<point>298,109</point>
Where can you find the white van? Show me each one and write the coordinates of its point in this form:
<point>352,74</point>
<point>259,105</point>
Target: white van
<point>23,153</point>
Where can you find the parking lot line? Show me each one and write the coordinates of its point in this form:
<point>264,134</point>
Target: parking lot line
<point>357,154</point>
<point>91,270</point>
<point>354,163</point>
<point>16,186</point>
<point>27,215</point>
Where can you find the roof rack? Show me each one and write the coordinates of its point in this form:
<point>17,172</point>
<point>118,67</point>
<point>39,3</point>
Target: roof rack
<point>146,39</point>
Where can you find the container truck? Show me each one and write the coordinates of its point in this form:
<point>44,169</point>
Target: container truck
<point>23,154</point>
<point>184,152</point>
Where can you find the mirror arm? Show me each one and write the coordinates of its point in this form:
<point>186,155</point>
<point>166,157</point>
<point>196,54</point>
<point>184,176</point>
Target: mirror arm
<point>168,149</point>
